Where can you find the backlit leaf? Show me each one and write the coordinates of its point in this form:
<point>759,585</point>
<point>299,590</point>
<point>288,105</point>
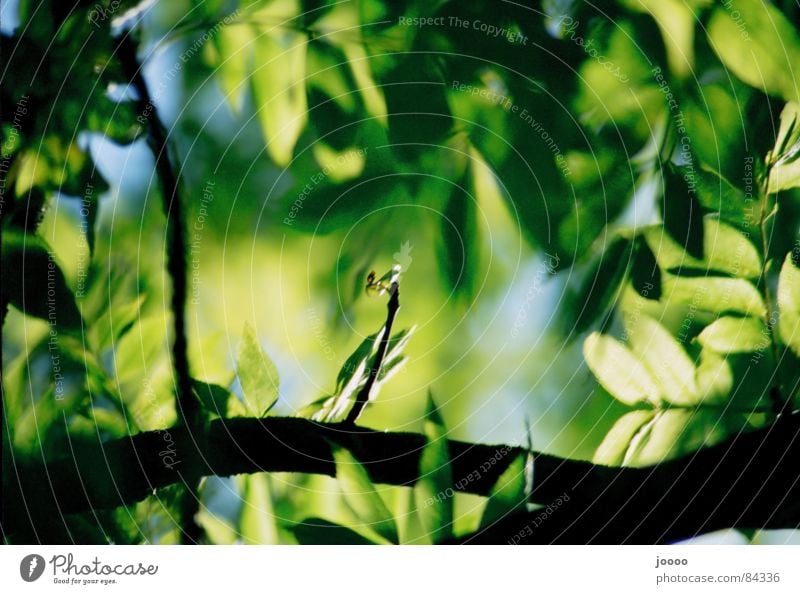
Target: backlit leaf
<point>362,497</point>
<point>434,489</point>
<point>758,44</point>
<point>729,335</point>
<point>619,371</point>
<point>789,305</point>
<point>257,374</point>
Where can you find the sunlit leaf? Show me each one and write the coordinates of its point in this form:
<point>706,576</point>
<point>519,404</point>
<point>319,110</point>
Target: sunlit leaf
<point>257,521</point>
<point>665,358</point>
<point>216,529</point>
<point>234,44</point>
<point>714,376</point>
<point>725,250</point>
<point>612,450</point>
<point>342,26</point>
<point>257,374</point>
<point>674,432</point>
<point>784,158</point>
<point>789,304</point>
<point>619,371</point>
<point>279,89</point>
<point>434,489</point>
<point>362,497</point>
<point>714,295</point>
<point>509,494</point>
<point>758,44</point>
<point>676,19</point>
<point>354,374</point>
<point>731,335</point>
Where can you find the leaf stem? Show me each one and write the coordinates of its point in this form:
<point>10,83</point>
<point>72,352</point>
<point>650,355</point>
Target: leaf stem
<point>779,403</point>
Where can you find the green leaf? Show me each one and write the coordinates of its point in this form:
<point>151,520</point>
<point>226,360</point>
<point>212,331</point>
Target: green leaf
<point>257,374</point>
<point>726,250</point>
<point>214,398</point>
<point>669,365</point>
<point>675,432</point>
<point>460,240</point>
<point>612,450</point>
<point>362,497</point>
<point>729,335</point>
<point>418,109</point>
<point>322,207</point>
<point>784,158</point>
<point>257,521</point>
<point>32,426</point>
<point>683,215</point>
<point>279,90</point>
<point>676,20</point>
<point>434,489</point>
<point>343,27</point>
<point>789,305</point>
<point>714,295</point>
<point>355,372</point>
<point>316,531</point>
<point>619,371</point>
<point>509,494</point>
<point>216,529</point>
<point>34,284</point>
<point>645,273</point>
<point>234,45</point>
<point>137,353</point>
<point>788,132</point>
<point>760,46</point>
<point>715,377</point>
<point>600,285</point>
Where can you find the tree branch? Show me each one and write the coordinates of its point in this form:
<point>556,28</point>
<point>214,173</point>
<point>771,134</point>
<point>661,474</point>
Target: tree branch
<point>752,481</point>
<point>187,406</point>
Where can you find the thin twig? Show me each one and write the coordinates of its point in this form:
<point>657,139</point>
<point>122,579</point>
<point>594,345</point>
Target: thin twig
<point>186,404</point>
<point>363,395</point>
<point>188,407</point>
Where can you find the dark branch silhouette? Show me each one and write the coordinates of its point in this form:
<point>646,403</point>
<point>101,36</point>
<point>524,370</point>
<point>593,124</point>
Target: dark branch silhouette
<point>187,405</point>
<point>362,398</point>
<point>751,481</point>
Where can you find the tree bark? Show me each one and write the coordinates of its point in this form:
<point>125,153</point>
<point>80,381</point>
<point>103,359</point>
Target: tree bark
<point>751,481</point>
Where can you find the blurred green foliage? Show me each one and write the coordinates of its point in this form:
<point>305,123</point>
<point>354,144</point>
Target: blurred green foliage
<point>596,216</point>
